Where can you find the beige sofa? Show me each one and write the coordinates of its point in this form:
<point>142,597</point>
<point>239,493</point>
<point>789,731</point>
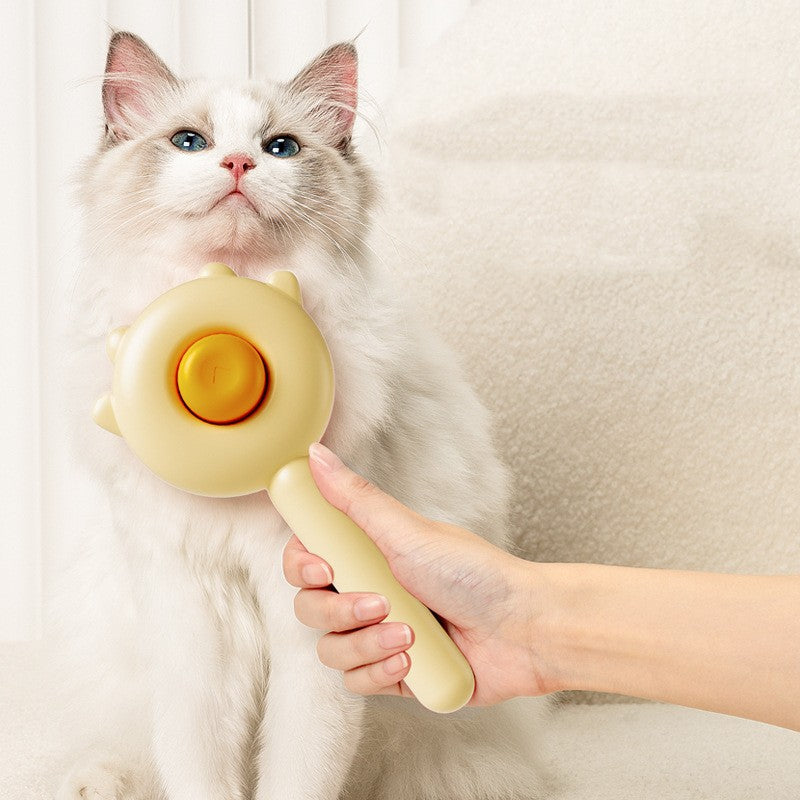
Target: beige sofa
<point>599,752</point>
<point>598,207</point>
<point>600,211</point>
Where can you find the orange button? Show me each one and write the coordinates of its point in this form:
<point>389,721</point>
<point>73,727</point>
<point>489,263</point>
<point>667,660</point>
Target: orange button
<point>222,378</point>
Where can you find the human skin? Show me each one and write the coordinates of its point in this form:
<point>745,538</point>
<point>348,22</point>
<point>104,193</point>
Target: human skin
<point>726,643</point>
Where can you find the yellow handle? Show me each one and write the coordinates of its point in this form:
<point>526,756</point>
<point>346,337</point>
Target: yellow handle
<point>440,676</point>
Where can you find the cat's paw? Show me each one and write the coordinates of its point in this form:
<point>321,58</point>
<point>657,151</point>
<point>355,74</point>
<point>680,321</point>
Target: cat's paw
<point>99,780</point>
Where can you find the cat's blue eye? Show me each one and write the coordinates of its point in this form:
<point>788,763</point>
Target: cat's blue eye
<point>282,147</point>
<point>190,141</point>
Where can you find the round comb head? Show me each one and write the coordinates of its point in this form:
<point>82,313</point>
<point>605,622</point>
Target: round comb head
<point>220,382</point>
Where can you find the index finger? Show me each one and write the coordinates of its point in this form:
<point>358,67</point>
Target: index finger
<point>303,569</point>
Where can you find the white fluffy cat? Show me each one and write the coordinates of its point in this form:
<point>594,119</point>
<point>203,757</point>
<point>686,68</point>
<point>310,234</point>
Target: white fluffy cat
<point>201,683</point>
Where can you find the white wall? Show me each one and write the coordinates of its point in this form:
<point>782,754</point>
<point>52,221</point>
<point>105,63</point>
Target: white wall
<point>52,60</point>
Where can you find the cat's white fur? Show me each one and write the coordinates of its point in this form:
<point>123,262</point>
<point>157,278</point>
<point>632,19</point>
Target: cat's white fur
<point>200,682</point>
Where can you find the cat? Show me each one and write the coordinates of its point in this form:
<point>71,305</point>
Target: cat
<point>199,682</point>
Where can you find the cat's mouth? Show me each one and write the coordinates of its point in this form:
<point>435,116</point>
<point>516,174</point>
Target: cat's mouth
<point>235,199</point>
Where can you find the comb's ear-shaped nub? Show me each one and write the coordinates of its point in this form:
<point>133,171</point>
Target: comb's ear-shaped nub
<point>287,283</point>
<point>113,342</point>
<point>216,269</point>
<point>103,415</point>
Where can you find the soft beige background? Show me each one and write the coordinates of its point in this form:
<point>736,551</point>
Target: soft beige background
<point>597,205</point>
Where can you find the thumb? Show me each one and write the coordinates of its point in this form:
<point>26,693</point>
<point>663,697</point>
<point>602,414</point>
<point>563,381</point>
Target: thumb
<point>383,518</point>
<point>438,563</point>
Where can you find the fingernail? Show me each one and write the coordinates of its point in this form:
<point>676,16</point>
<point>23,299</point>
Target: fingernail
<point>324,457</point>
<point>393,636</point>
<point>371,607</point>
<point>317,574</point>
<point>396,663</point>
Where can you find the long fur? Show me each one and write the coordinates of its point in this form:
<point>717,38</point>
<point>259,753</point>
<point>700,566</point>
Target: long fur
<point>198,681</point>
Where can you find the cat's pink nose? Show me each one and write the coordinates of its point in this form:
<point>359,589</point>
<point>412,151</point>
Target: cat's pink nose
<point>238,164</point>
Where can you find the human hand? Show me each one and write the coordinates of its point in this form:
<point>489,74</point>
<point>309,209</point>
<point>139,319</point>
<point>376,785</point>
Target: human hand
<point>528,628</point>
<point>482,594</point>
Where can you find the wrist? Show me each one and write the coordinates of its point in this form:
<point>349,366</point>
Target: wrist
<point>558,597</point>
<point>601,627</point>
<point>539,605</point>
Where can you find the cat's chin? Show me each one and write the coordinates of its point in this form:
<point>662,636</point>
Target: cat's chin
<point>233,227</point>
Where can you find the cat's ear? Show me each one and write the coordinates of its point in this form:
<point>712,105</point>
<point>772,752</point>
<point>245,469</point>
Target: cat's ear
<point>136,78</point>
<point>331,82</point>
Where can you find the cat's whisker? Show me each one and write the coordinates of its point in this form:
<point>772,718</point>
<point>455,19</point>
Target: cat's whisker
<point>319,224</point>
<point>355,269</point>
<point>321,229</point>
<point>140,210</point>
<point>107,234</point>
<point>343,226</point>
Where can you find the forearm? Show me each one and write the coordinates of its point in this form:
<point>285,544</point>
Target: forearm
<point>727,643</point>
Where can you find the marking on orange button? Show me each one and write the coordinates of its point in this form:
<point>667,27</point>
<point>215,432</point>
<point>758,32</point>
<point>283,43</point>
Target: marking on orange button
<point>222,393</point>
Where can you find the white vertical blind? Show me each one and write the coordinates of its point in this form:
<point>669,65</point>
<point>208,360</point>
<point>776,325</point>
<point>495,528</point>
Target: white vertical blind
<point>422,23</point>
<point>52,61</point>
<point>282,43</point>
<point>69,46</point>
<point>214,38</point>
<point>19,478</point>
<point>378,44</point>
<point>158,23</point>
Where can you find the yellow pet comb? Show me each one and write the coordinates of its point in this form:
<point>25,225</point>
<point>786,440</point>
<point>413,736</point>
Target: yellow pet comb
<point>219,387</point>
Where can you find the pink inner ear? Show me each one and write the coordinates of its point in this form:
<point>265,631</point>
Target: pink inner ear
<point>123,96</point>
<point>337,76</point>
<point>348,74</point>
<point>134,72</point>
<point>130,54</point>
<point>334,76</point>
<point>345,117</point>
<point>125,59</point>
